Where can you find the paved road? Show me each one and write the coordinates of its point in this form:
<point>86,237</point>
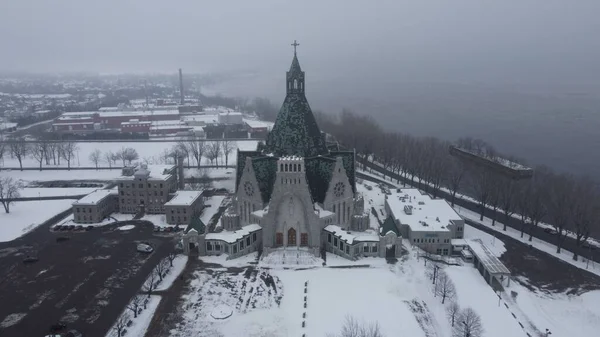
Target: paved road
<point>569,243</point>
<point>85,281</point>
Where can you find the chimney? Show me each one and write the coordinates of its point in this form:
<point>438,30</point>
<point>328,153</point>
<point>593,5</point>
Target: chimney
<point>180,176</point>
<point>181,86</point>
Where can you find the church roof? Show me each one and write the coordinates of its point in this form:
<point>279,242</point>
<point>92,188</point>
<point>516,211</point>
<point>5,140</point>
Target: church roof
<point>196,224</point>
<point>389,225</point>
<point>318,170</point>
<point>296,132</point>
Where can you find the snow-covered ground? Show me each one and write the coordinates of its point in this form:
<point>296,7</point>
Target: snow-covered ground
<point>270,302</point>
<point>544,246</point>
<point>24,216</point>
<point>141,323</point>
<point>69,220</point>
<point>50,175</point>
<point>54,191</point>
<point>178,265</point>
<point>150,151</point>
<point>213,204</point>
<point>564,315</point>
<point>374,197</point>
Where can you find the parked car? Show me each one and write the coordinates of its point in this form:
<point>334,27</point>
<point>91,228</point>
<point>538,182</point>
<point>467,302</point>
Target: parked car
<point>89,228</point>
<point>58,327</point>
<point>64,228</point>
<point>71,227</point>
<point>144,248</point>
<point>79,228</point>
<point>30,259</point>
<point>73,333</point>
<point>57,227</point>
<point>549,230</point>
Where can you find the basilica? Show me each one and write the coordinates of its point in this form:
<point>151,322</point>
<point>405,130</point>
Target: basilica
<point>295,192</point>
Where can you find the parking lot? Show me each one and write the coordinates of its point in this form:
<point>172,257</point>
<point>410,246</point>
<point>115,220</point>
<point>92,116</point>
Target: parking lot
<point>83,279</point>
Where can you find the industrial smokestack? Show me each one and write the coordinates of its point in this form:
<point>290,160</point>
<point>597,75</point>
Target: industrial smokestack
<point>181,85</point>
<point>180,175</point>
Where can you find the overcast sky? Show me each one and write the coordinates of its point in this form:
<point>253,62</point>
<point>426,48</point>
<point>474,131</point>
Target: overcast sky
<point>446,40</point>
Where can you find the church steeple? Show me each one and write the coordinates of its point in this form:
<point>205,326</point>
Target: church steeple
<point>295,132</point>
<point>295,77</point>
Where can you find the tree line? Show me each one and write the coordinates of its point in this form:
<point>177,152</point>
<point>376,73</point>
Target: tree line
<point>569,203</point>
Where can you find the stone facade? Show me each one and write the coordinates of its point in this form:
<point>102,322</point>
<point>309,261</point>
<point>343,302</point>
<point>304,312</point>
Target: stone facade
<point>184,207</point>
<point>146,190</point>
<point>94,207</point>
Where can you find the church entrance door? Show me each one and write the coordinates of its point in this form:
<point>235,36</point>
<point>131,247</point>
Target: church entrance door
<point>291,237</point>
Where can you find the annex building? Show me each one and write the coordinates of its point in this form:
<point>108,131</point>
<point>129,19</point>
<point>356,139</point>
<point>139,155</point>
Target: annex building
<point>295,192</point>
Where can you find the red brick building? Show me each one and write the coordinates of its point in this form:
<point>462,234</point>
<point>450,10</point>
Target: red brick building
<point>111,120</point>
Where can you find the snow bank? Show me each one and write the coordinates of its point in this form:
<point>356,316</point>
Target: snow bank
<point>178,265</point>
<point>142,322</point>
<point>25,216</point>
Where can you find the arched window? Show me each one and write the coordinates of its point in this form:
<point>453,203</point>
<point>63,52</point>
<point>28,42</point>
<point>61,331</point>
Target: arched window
<point>299,167</point>
<point>286,167</point>
<point>281,169</point>
<point>294,167</point>
<point>295,84</point>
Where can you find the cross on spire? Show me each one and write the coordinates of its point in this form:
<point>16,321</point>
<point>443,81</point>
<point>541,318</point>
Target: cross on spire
<point>295,44</point>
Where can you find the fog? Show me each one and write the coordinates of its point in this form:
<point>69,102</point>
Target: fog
<point>521,74</point>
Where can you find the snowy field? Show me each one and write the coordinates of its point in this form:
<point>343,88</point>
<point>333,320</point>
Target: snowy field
<point>54,191</point>
<point>24,216</point>
<point>150,151</point>
<point>269,302</point>
<point>51,175</point>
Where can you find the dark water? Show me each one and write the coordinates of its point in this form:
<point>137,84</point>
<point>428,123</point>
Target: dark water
<point>559,129</point>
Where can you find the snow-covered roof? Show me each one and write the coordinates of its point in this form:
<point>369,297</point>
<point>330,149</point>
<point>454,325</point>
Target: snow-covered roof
<point>157,172</point>
<point>459,242</point>
<point>7,125</point>
<point>321,212</point>
<point>208,119</point>
<point>95,197</point>
<point>253,123</point>
<point>419,211</point>
<point>184,198</point>
<point>233,236</point>
<point>138,113</point>
<point>490,262</point>
<point>350,236</point>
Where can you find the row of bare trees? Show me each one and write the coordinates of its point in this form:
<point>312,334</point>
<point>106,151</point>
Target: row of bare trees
<point>464,322</point>
<point>139,301</point>
<point>44,152</point>
<point>568,203</point>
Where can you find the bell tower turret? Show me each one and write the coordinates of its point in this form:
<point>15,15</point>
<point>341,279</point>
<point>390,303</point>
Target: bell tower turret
<point>295,76</point>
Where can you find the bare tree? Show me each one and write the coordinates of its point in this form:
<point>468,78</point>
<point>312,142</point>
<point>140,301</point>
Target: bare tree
<point>69,151</point>
<point>456,171</point>
<point>53,150</point>
<point>108,157</point>
<point>9,190</point>
<point>494,195</point>
<point>468,324</point>
<point>445,287</point>
<point>38,151</point>
<point>184,150</point>
<point>2,149</point>
<point>584,211</point>
<point>197,148</point>
<point>128,154</point>
<point>96,157</point>
<point>121,324</point>
<point>483,184</point>
<point>160,269</point>
<point>171,257</point>
<point>213,152</point>
<point>227,147</point>
<point>135,304</point>
<point>19,149</point>
<point>151,282</point>
<point>560,199</point>
<point>452,311</point>
<point>353,328</point>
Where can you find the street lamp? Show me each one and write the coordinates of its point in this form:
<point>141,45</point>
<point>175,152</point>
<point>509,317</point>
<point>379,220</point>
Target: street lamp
<point>468,330</point>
